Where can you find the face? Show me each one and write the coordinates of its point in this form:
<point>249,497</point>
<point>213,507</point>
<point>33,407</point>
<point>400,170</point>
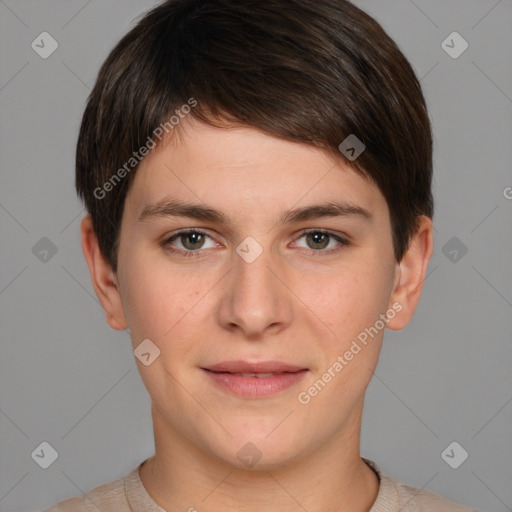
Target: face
<point>249,286</point>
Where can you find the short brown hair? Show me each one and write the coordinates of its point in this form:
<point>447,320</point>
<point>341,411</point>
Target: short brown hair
<point>310,71</point>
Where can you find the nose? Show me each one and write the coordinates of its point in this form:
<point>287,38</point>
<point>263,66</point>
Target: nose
<point>255,298</point>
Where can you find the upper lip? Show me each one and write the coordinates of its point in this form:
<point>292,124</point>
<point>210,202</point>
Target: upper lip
<point>259,367</point>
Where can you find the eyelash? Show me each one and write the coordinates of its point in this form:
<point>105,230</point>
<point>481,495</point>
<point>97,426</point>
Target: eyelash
<point>342,241</point>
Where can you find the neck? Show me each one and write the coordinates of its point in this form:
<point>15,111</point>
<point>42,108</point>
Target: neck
<point>332,478</point>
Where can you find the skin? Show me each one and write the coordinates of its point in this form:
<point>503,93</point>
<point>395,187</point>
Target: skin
<point>294,303</point>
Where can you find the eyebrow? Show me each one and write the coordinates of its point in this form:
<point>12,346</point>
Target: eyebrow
<point>175,208</point>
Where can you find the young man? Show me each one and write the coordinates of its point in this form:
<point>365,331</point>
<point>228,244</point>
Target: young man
<point>258,182</point>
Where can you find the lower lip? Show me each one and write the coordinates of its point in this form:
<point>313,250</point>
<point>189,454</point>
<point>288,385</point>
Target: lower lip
<point>255,387</point>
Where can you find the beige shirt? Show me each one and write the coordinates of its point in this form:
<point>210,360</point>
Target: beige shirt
<point>129,495</point>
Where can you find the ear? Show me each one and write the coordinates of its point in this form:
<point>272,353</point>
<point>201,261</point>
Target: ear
<point>410,274</point>
<point>103,278</point>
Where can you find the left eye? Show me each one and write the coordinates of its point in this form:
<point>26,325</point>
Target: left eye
<point>320,239</point>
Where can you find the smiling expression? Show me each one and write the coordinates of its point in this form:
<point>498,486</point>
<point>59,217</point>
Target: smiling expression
<point>239,246</point>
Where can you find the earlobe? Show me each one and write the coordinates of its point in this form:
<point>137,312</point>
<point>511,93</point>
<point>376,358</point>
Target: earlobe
<point>411,274</point>
<point>103,279</point>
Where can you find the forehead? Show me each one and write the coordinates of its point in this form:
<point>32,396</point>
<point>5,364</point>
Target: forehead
<point>246,171</point>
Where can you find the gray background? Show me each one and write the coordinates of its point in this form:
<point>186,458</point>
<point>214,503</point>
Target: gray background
<point>70,380</point>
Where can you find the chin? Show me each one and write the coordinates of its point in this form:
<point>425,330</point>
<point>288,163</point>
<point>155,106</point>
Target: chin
<point>256,450</point>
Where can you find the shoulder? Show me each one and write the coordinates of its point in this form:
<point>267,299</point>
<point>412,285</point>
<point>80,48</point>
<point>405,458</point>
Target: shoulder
<point>413,499</point>
<point>109,497</point>
<point>397,496</point>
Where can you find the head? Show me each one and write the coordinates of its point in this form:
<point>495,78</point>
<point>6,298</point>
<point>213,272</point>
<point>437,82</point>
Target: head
<point>240,108</point>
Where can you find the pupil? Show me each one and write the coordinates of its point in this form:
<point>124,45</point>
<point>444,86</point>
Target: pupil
<point>195,237</point>
<point>318,235</point>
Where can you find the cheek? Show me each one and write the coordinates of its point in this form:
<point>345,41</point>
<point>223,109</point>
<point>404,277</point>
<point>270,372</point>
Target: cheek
<point>158,300</point>
<point>342,306</point>
<point>341,300</point>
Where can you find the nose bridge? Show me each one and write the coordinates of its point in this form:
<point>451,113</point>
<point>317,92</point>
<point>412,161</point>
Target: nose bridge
<point>254,282</point>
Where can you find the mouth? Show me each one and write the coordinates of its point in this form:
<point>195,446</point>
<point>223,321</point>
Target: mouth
<point>261,368</point>
<point>258,375</point>
<point>254,380</point>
